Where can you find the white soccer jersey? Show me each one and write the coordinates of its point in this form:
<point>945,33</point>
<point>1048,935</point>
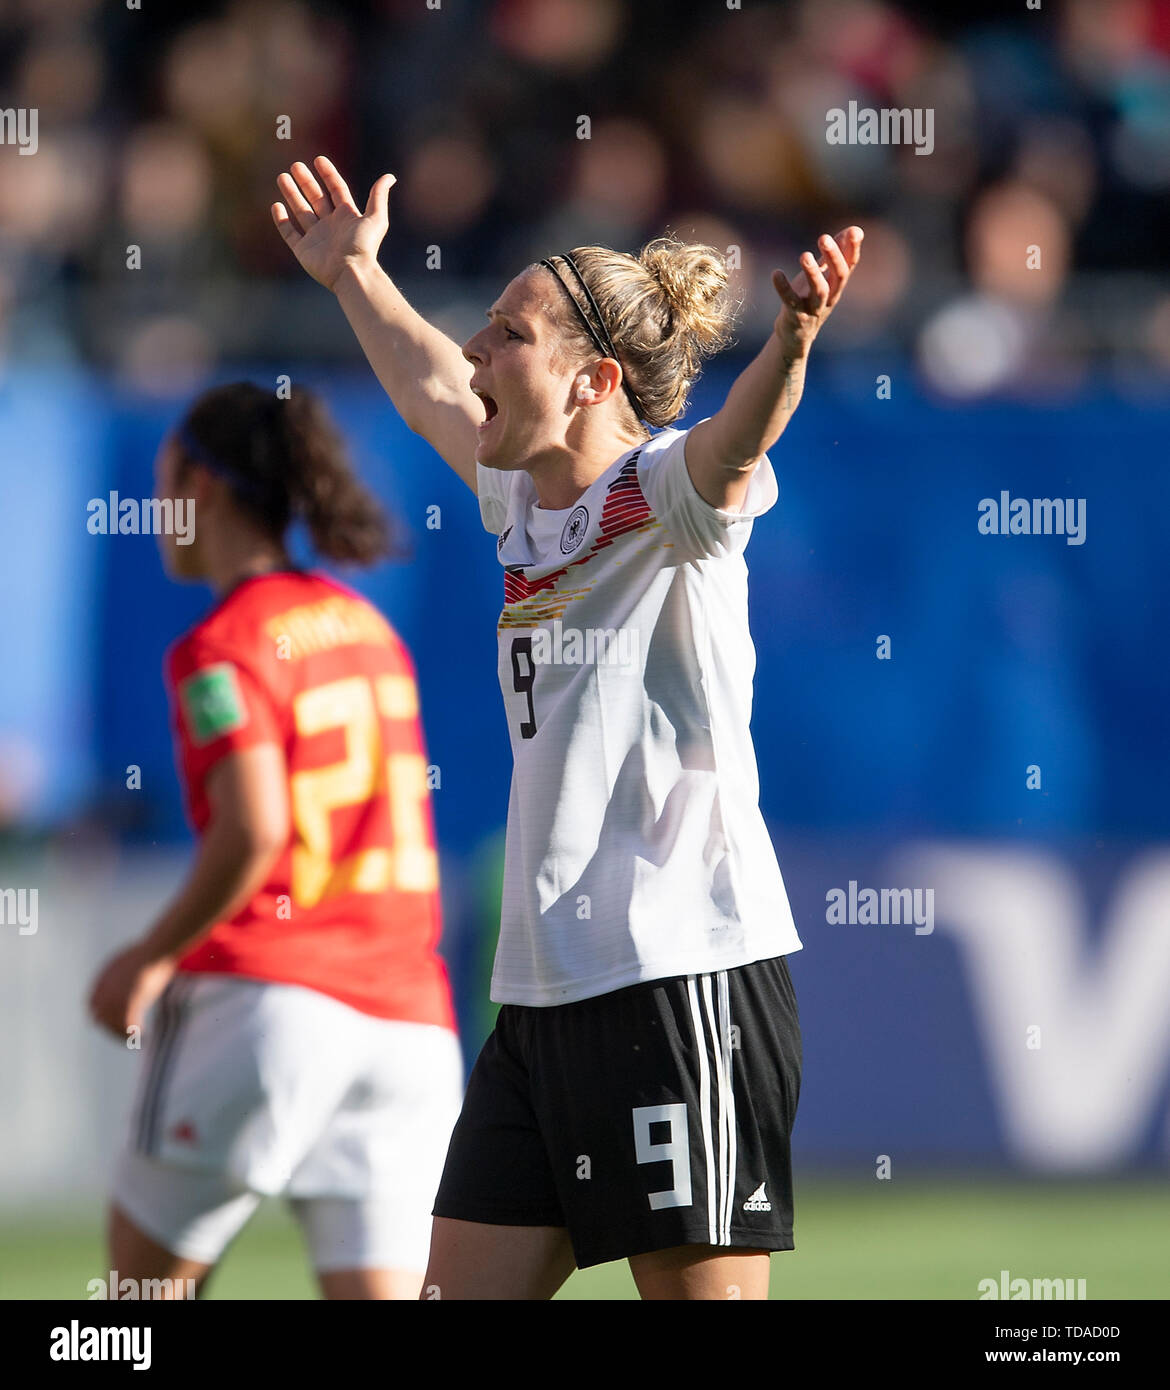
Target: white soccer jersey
<point>635,847</point>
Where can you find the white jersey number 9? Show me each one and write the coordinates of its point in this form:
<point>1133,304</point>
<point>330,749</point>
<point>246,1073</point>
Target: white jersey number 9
<point>676,1150</point>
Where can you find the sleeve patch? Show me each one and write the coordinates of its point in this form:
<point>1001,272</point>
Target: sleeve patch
<point>212,703</point>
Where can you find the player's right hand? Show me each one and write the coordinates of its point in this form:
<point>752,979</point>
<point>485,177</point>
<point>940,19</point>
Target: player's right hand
<point>321,222</point>
<point>126,987</point>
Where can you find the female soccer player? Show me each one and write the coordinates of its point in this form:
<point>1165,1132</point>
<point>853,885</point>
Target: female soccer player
<point>304,1040</point>
<point>637,1094</point>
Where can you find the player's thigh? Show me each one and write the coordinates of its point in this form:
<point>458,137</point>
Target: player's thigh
<point>701,1272</point>
<point>366,1248</point>
<point>475,1260</point>
<point>168,1222</point>
<point>364,1191</point>
<point>135,1256</point>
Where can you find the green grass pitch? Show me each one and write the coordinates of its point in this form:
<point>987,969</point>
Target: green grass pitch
<point>915,1238</point>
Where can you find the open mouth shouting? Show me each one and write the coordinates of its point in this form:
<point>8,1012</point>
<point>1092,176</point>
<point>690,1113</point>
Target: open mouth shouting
<point>490,408</point>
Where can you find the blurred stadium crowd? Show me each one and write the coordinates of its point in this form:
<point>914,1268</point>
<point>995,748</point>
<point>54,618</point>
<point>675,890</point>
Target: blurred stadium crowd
<point>1052,128</point>
<point>157,128</point>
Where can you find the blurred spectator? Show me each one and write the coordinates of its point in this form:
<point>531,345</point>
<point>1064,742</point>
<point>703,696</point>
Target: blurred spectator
<point>1052,126</point>
<point>1010,329</point>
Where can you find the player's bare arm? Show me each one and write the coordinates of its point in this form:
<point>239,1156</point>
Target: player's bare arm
<point>722,452</point>
<point>248,792</point>
<point>422,370</point>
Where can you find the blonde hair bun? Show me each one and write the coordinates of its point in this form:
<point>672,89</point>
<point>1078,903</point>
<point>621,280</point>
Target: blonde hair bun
<point>666,310</point>
<point>694,279</point>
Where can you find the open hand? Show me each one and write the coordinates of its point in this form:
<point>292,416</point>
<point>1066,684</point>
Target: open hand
<point>808,301</point>
<point>321,222</point>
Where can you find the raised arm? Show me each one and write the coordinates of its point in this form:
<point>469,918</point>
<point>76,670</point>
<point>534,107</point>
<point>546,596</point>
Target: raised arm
<point>425,374</point>
<point>722,452</point>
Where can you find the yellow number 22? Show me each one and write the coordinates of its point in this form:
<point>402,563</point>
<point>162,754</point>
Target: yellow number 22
<point>410,864</point>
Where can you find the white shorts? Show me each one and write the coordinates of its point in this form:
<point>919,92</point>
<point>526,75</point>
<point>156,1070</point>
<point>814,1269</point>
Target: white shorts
<point>251,1089</point>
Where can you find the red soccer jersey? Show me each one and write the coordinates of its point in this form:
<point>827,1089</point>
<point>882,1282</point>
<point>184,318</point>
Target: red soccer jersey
<point>351,906</point>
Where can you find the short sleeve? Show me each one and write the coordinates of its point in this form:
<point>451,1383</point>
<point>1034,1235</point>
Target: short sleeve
<point>700,528</point>
<point>220,706</point>
<point>492,487</point>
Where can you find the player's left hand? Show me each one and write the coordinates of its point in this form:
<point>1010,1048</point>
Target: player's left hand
<point>126,987</point>
<point>809,299</point>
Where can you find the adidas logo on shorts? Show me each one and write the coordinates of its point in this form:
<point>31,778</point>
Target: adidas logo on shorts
<point>758,1201</point>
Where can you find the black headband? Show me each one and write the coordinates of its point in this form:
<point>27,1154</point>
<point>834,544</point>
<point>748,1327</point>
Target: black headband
<point>248,489</point>
<point>601,340</point>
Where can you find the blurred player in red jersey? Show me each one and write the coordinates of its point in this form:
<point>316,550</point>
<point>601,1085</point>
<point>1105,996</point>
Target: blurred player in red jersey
<point>304,1037</point>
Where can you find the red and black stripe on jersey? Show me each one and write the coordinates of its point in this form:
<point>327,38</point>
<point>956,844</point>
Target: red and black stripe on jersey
<point>625,509</point>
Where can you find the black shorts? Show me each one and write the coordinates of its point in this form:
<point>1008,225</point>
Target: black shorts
<point>655,1116</point>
